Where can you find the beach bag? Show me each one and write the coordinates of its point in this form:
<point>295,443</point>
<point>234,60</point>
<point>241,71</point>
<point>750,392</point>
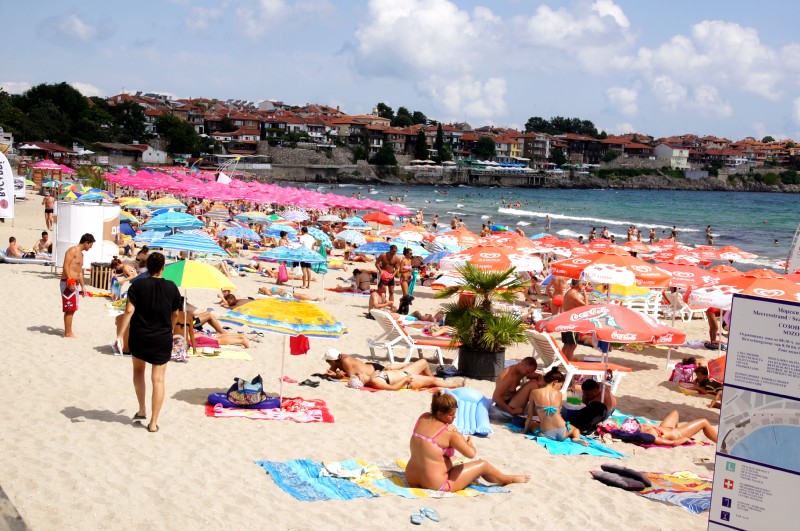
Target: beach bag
<point>283,274</point>
<point>179,351</point>
<point>682,373</point>
<point>386,276</point>
<point>245,393</point>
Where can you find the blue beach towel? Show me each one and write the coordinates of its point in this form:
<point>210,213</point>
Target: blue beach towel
<point>570,448</point>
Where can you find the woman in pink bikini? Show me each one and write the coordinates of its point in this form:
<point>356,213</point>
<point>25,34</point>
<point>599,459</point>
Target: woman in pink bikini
<point>433,444</point>
<point>405,270</point>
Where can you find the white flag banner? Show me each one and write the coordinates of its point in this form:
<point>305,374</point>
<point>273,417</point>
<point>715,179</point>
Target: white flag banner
<point>19,186</point>
<point>793,263</point>
<point>6,188</point>
<point>223,178</point>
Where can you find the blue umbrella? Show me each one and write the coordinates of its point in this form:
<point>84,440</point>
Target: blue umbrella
<point>321,237</point>
<point>173,220</point>
<point>160,211</point>
<point>359,225</point>
<point>189,242</point>
<point>149,236</point>
<point>241,233</point>
<point>92,196</point>
<point>375,248</point>
<point>126,229</point>
<point>283,226</point>
<point>290,254</point>
<point>538,236</point>
<point>434,258</point>
<point>415,247</point>
<point>295,215</point>
<point>354,219</point>
<point>352,236</point>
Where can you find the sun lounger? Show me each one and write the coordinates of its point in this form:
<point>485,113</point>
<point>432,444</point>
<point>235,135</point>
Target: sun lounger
<point>682,309</point>
<point>14,260</point>
<point>394,336</point>
<point>547,350</point>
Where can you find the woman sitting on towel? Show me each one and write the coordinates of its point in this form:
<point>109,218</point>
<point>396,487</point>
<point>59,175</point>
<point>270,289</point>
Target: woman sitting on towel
<point>433,444</point>
<point>547,403</point>
<point>392,380</point>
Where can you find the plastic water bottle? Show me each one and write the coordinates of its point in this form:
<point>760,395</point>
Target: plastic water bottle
<point>115,288</point>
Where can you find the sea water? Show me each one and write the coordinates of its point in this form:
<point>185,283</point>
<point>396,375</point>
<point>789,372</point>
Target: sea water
<point>751,221</point>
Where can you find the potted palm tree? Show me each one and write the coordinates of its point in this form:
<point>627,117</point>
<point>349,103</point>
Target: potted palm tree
<point>482,332</point>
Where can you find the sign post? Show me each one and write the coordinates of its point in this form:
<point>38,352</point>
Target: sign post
<point>757,469</point>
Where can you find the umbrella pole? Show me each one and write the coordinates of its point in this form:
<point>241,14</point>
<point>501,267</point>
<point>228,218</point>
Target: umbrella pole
<point>283,358</point>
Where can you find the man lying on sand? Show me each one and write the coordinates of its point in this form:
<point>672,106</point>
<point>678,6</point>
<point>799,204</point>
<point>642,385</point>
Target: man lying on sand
<point>346,366</point>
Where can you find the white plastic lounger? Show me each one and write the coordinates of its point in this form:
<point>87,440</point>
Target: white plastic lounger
<point>14,260</point>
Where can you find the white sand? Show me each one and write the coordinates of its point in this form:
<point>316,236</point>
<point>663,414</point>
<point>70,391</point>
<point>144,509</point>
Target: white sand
<point>71,457</point>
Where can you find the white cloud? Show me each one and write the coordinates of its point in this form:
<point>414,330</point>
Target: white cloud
<point>624,100</point>
<point>467,96</point>
<point>707,101</point>
<point>622,129</point>
<point>73,28</point>
<point>200,18</point>
<point>259,18</point>
<point>669,93</point>
<point>86,89</point>
<point>15,87</point>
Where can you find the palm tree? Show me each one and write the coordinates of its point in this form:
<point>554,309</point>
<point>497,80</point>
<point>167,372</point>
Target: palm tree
<point>476,325</point>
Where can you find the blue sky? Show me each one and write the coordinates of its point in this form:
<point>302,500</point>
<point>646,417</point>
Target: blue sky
<point>727,68</point>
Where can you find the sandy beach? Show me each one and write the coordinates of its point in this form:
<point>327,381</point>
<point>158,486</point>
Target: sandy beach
<point>73,459</point>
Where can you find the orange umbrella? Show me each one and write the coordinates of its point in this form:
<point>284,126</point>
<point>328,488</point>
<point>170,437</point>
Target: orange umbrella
<point>636,247</point>
<point>721,295</point>
<point>731,252</point>
<point>378,217</point>
<point>603,245</point>
<point>612,269</point>
<point>462,237</point>
<point>512,240</point>
<point>689,276</point>
<point>492,258</point>
<point>706,253</point>
<point>405,227</point>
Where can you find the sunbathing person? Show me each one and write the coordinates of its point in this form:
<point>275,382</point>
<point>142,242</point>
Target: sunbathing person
<point>202,317</point>
<point>433,445</point>
<point>432,318</point>
<point>546,401</point>
<point>394,379</point>
<point>509,396</point>
<point>14,251</point>
<point>281,293</point>
<point>346,366</point>
<point>670,433</point>
<point>703,384</point>
<point>123,271</point>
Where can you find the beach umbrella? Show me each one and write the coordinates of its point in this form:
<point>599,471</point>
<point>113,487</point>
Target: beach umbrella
<point>127,230</point>
<point>183,241</point>
<point>352,237</point>
<point>461,236</point>
<point>435,258</point>
<point>353,219</point>
<point>276,234</point>
<point>378,217</point>
<point>173,220</point>
<point>288,226</point>
<point>291,254</point>
<point>135,202</point>
<point>416,249</point>
<point>241,233</point>
<point>358,225</point>
<point>689,276</point>
<point>405,228</point>
<point>288,317</point>
<point>620,293</point>
<point>331,218</point>
<point>605,268</point>
<point>168,202</point>
<point>69,196</point>
<point>373,248</point>
<point>721,295</point>
<point>492,258</point>
<point>28,182</point>
<point>92,196</point>
<point>323,239</point>
<point>49,183</point>
<point>189,274</point>
<point>253,217</point>
<point>219,213</point>
<point>296,215</point>
<point>149,236</point>
<point>613,323</point>
<point>127,217</point>
<point>731,252</point>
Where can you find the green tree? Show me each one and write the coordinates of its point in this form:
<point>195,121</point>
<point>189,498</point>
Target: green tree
<point>767,139</point>
<point>403,118</point>
<point>602,136</point>
<point>558,157</point>
<point>558,125</point>
<point>485,148</point>
<point>610,155</point>
<point>178,136</point>
<point>419,118</point>
<point>47,123</point>
<point>790,177</point>
<point>67,100</point>
<point>130,122</point>
<point>384,111</point>
<point>384,156</point>
<point>95,124</point>
<point>12,119</point>
<point>421,145</point>
<point>442,149</point>
<point>227,125</point>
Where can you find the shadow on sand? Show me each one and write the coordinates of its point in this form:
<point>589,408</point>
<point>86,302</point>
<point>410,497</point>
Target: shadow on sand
<point>197,397</point>
<point>76,414</point>
<point>47,329</point>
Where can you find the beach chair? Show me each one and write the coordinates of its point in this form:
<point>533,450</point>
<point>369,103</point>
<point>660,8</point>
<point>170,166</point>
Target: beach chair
<point>681,309</point>
<point>184,326</point>
<point>394,337</point>
<point>546,349</point>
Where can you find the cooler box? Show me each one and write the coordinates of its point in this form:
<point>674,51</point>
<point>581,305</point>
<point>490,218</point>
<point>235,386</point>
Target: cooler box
<point>568,409</point>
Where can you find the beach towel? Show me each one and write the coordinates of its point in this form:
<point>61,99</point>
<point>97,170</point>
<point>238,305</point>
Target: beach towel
<point>570,448</point>
<point>308,480</point>
<point>298,345</point>
<point>684,489</point>
<point>617,418</point>
<point>294,409</point>
<point>223,354</point>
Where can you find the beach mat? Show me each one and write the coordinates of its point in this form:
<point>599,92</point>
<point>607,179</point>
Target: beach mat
<point>223,354</point>
<point>308,480</point>
<point>347,292</point>
<point>294,409</point>
<point>568,447</point>
<point>684,489</point>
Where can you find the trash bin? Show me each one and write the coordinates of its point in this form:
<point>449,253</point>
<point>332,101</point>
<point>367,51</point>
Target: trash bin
<point>100,275</point>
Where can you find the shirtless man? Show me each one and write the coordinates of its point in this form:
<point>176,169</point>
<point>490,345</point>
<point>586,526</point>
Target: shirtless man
<point>388,262</point>
<point>377,300</point>
<point>509,397</point>
<point>346,366</point>
<point>574,298</point>
<point>49,203</point>
<point>72,271</point>
<point>556,291</point>
<point>43,245</point>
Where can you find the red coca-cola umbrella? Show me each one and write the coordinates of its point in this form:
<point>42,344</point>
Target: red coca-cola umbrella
<point>624,270</point>
<point>614,324</point>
